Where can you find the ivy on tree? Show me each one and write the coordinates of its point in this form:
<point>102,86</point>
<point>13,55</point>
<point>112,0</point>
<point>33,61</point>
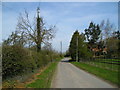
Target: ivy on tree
<point>28,33</point>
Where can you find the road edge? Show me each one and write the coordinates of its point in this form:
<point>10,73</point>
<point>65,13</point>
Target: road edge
<point>115,86</point>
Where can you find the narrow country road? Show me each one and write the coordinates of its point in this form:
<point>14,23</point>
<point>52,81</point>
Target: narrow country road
<point>69,76</point>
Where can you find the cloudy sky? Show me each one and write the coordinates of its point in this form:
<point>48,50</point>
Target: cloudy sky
<point>67,16</point>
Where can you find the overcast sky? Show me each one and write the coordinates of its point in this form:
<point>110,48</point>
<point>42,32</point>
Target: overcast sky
<point>67,16</point>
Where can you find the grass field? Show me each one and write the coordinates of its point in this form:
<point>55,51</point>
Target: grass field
<point>112,67</point>
<point>113,61</point>
<point>109,75</point>
<point>45,78</point>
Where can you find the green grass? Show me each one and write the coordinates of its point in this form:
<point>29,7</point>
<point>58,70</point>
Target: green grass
<point>112,67</point>
<point>45,78</point>
<point>109,75</point>
<point>109,60</point>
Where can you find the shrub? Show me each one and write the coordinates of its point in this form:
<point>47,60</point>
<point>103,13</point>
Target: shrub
<point>16,60</point>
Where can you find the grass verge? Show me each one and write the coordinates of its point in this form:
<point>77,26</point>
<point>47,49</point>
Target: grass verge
<point>45,78</point>
<point>109,75</point>
<point>112,67</point>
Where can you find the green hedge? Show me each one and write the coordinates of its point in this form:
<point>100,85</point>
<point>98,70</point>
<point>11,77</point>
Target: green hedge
<point>17,60</point>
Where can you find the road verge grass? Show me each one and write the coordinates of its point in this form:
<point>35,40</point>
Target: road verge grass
<point>108,75</point>
<point>45,78</point>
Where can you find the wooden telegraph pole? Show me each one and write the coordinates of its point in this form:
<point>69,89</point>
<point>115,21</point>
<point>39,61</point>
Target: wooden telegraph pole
<point>77,49</point>
<point>61,47</point>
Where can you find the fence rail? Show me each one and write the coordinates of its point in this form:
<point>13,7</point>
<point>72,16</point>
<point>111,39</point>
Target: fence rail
<point>111,64</point>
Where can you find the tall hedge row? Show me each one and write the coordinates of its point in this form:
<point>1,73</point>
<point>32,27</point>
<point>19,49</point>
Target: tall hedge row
<point>17,60</point>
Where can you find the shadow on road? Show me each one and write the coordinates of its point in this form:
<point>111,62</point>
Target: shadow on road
<point>68,61</point>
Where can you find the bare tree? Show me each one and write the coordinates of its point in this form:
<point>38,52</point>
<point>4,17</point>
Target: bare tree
<point>107,28</point>
<point>15,39</point>
<point>36,32</point>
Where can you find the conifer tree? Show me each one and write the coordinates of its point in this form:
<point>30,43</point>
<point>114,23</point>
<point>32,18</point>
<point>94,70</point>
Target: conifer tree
<point>73,45</point>
<point>92,33</point>
<point>78,48</point>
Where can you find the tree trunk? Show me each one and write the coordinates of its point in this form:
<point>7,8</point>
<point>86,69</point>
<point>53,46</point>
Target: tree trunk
<point>39,47</point>
<point>38,34</point>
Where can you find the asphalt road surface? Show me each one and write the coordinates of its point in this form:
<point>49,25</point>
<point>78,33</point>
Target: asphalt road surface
<point>69,76</point>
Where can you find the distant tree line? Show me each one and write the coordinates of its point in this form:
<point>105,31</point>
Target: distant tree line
<point>101,41</point>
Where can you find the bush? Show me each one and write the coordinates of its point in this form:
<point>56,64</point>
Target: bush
<point>16,60</point>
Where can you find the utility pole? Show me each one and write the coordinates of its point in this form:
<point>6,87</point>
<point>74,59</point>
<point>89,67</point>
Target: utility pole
<point>61,47</point>
<point>77,49</point>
